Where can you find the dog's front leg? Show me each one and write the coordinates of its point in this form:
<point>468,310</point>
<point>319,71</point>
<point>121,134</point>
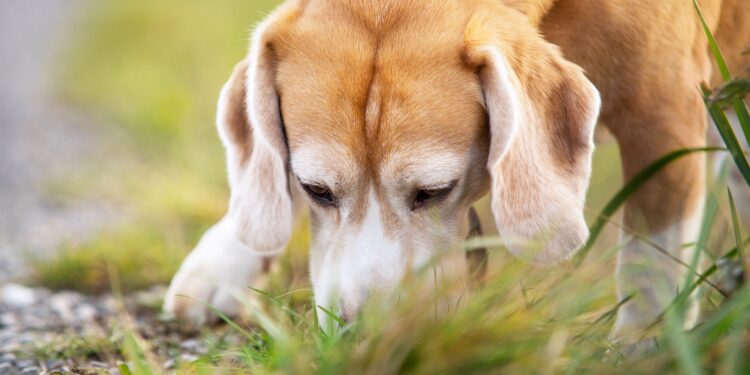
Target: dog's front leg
<point>216,274</point>
<point>663,218</point>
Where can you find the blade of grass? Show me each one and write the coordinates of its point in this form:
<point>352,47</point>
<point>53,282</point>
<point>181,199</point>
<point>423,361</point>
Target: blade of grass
<point>742,115</point>
<point>722,321</point>
<point>685,349</point>
<point>682,303</point>
<point>733,359</point>
<point>739,106</point>
<point>701,279</point>
<point>603,318</point>
<point>134,347</point>
<point>225,318</point>
<point>720,62</point>
<point>276,300</point>
<point>730,139</point>
<point>714,267</point>
<point>728,92</point>
<point>270,325</point>
<point>333,316</point>
<point>124,369</point>
<point>631,187</point>
<point>736,227</point>
<point>674,258</point>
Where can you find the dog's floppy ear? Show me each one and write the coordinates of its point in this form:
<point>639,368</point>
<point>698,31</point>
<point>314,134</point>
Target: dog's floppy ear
<point>250,126</point>
<point>542,112</point>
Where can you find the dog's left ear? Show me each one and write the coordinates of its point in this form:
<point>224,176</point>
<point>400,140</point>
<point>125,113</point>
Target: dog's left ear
<point>250,126</point>
<point>542,112</point>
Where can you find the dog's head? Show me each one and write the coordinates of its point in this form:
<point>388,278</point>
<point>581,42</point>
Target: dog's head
<point>393,118</point>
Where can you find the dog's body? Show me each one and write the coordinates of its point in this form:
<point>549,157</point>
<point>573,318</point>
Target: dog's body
<point>394,116</point>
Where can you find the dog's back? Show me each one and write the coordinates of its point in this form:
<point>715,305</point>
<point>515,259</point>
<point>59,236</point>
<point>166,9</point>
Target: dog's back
<point>628,46</point>
<point>733,37</point>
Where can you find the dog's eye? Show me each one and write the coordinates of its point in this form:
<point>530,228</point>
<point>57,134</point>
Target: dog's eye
<point>425,196</point>
<point>320,194</point>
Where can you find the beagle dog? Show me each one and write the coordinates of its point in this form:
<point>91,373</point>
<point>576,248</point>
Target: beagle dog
<point>393,117</point>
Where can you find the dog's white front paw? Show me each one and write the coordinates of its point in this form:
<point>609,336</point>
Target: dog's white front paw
<point>213,275</point>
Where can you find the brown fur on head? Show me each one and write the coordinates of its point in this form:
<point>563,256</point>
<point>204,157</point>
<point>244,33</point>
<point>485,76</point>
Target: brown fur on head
<point>397,116</point>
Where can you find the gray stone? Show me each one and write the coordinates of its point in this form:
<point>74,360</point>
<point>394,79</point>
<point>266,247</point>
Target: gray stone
<point>6,335</point>
<point>17,296</point>
<point>86,313</point>
<point>40,320</point>
<point>169,364</point>
<point>97,364</point>
<point>31,371</point>
<point>7,357</point>
<point>190,345</point>
<point>152,296</point>
<point>63,304</point>
<point>6,368</point>
<point>186,357</point>
<point>8,319</point>
<point>55,364</point>
<point>108,304</point>
<point>24,363</point>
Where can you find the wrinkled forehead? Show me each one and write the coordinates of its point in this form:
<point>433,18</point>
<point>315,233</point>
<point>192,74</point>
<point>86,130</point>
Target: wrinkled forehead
<point>367,99</point>
<point>337,166</point>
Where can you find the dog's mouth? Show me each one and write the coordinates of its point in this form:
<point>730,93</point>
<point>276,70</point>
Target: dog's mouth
<point>476,262</point>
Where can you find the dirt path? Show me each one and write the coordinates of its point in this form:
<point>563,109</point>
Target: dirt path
<point>40,139</point>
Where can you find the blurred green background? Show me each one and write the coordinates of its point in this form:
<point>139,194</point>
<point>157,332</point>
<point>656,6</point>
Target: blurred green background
<point>152,70</point>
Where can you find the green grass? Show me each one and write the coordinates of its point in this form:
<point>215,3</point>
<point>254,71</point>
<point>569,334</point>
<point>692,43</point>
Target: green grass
<point>155,68</point>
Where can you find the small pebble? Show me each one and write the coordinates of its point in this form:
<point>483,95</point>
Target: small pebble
<point>55,364</point>
<point>169,364</point>
<point>186,357</point>
<point>17,296</point>
<point>86,313</point>
<point>8,319</point>
<point>191,344</point>
<point>25,363</point>
<point>98,364</point>
<point>63,304</point>
<point>30,371</point>
<point>6,368</point>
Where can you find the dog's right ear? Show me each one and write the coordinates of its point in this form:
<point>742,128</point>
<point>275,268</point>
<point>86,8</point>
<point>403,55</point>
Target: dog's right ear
<point>250,126</point>
<point>542,112</point>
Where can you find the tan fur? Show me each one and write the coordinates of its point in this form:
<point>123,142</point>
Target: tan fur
<point>370,90</point>
<point>535,10</point>
<point>540,156</point>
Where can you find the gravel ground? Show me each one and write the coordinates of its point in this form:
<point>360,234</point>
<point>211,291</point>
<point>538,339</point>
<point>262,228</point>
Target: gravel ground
<point>67,332</point>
